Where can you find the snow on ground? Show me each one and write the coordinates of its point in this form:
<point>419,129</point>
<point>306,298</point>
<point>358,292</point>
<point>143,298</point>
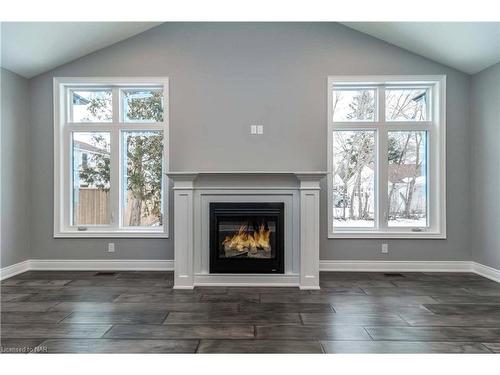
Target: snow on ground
<point>420,223</point>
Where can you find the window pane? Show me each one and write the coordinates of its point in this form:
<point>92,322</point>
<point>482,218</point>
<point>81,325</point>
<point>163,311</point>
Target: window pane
<point>406,104</point>
<point>353,178</point>
<point>91,162</point>
<point>142,178</point>
<point>142,105</point>
<point>407,174</point>
<point>353,105</point>
<point>92,105</point>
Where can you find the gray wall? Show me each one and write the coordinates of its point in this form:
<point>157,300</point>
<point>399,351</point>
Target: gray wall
<point>15,192</point>
<point>224,77</point>
<point>485,166</point>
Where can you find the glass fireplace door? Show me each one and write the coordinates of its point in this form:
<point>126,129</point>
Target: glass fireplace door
<point>246,237</point>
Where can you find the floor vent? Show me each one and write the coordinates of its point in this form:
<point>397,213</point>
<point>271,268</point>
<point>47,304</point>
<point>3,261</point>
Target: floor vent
<point>393,274</point>
<point>105,273</point>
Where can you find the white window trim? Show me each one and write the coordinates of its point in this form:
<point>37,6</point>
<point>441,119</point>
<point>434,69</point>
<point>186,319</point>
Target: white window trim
<point>62,200</point>
<point>437,154</point>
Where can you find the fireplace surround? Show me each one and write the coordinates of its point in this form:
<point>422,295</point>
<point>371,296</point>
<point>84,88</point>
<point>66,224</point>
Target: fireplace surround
<point>194,192</point>
<point>246,237</point>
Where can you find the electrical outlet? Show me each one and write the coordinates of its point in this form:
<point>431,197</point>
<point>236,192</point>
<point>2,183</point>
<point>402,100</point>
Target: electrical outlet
<point>256,129</point>
<point>111,247</point>
<point>385,248</point>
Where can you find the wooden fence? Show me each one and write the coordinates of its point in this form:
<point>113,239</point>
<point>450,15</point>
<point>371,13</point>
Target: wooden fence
<point>92,207</point>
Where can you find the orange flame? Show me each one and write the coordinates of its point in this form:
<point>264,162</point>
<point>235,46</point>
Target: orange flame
<point>245,241</point>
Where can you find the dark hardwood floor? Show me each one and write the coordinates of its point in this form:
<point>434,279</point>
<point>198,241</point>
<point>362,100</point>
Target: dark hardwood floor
<point>139,312</point>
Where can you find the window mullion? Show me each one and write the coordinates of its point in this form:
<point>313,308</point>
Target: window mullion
<point>115,161</point>
<point>381,178</point>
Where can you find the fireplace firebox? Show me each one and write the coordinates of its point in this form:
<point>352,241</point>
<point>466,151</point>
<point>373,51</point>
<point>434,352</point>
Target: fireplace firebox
<point>246,237</point>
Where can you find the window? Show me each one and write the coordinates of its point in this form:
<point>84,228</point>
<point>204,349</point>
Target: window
<point>111,139</point>
<point>386,157</point>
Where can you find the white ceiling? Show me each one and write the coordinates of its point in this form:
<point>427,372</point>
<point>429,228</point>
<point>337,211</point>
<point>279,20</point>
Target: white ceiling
<point>466,46</point>
<point>31,48</point>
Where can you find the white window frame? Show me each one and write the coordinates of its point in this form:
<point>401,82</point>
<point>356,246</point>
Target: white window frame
<point>436,133</point>
<point>62,155</point>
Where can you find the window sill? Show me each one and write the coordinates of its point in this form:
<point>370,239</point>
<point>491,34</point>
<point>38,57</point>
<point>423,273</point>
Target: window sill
<point>374,235</point>
<point>113,234</point>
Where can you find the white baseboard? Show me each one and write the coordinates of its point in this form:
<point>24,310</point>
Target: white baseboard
<point>394,266</point>
<point>486,271</point>
<point>101,265</point>
<point>86,265</point>
<point>325,265</point>
<point>14,269</point>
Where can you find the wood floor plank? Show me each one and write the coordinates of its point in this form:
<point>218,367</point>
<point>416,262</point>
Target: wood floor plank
<point>14,297</point>
<point>485,291</point>
<point>453,320</point>
<point>259,346</point>
<point>399,347</point>
<point>182,331</point>
<point>164,275</point>
<point>25,317</point>
<point>137,317</point>
<point>54,330</point>
<point>347,291</point>
<point>435,334</point>
<point>471,299</point>
<point>345,299</point>
<point>119,346</point>
<point>134,282</point>
<point>445,284</point>
<point>156,298</point>
<point>310,332</point>
<point>416,291</point>
<point>238,318</point>
<point>493,346</point>
<point>352,319</point>
<point>26,306</point>
<point>327,284</point>
<point>463,309</point>
<point>34,283</point>
<point>149,307</point>
<point>273,308</point>
<point>376,308</point>
<point>232,297</point>
<point>79,297</point>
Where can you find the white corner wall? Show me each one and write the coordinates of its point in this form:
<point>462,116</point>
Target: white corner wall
<point>485,166</point>
<point>15,154</point>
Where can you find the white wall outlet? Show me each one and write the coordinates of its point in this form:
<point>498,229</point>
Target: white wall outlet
<point>385,248</point>
<point>260,129</point>
<point>253,129</point>
<point>111,247</point>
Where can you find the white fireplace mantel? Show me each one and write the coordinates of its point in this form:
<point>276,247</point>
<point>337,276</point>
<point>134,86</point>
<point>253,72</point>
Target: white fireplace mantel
<point>193,191</point>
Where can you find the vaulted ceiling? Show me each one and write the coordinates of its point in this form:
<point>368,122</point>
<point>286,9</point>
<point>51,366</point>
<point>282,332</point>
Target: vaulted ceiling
<point>466,46</point>
<point>32,48</point>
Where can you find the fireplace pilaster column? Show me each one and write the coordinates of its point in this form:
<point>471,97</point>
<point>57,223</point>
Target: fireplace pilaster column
<point>309,230</point>
<point>183,231</point>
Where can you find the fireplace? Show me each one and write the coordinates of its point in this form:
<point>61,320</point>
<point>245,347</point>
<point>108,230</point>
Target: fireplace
<point>246,237</point>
